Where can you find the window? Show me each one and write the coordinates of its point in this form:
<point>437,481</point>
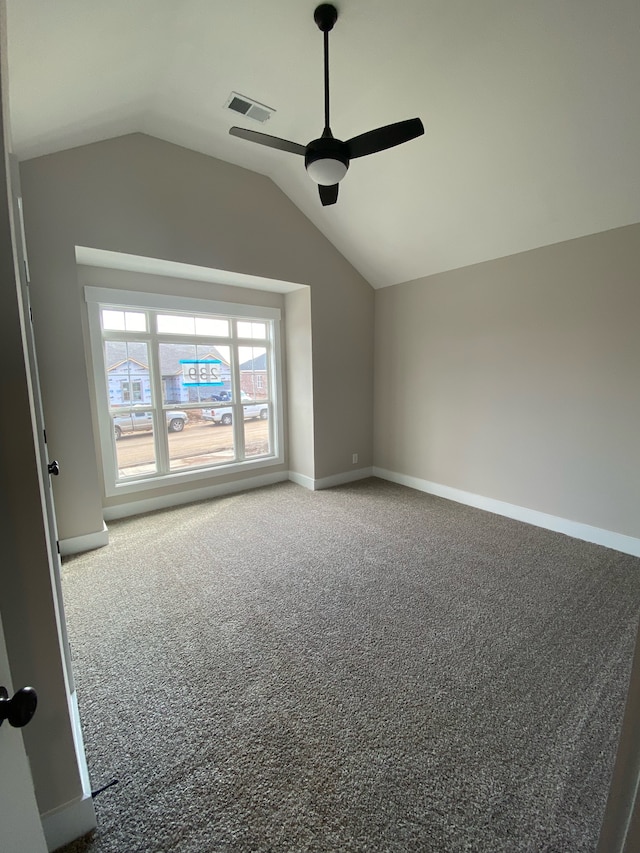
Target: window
<point>131,391</point>
<point>185,388</point>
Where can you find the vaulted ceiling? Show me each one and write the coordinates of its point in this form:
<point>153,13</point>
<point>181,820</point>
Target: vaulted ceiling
<point>531,109</point>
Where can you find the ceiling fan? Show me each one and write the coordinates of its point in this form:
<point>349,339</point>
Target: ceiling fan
<point>327,159</point>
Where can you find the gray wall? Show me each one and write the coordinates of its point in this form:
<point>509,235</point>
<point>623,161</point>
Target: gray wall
<point>300,380</point>
<point>139,195</point>
<point>517,379</point>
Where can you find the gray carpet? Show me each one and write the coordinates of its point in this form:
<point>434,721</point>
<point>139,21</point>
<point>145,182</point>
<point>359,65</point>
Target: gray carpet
<point>365,668</point>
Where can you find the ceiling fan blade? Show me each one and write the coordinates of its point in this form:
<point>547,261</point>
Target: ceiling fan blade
<point>328,195</point>
<point>269,141</point>
<point>385,137</point>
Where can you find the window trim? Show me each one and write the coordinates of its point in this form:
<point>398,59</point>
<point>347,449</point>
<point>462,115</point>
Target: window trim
<point>95,297</point>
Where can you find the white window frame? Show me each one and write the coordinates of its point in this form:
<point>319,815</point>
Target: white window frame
<point>106,297</point>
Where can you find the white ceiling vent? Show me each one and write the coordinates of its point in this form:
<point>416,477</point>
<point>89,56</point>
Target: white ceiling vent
<point>248,107</point>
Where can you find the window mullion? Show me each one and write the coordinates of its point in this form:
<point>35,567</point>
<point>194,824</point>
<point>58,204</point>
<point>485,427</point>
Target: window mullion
<point>271,374</point>
<point>193,339</point>
<point>124,337</point>
<point>238,409</point>
<point>160,433</point>
<point>277,396</point>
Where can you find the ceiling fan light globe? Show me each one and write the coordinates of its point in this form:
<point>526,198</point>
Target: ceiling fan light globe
<point>327,171</point>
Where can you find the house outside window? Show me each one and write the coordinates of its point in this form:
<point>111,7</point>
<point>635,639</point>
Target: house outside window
<point>185,388</point>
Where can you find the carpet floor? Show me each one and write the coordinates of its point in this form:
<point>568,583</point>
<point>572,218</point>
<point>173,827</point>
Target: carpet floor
<point>366,668</point>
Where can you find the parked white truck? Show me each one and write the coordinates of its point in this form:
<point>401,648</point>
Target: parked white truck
<point>224,414</point>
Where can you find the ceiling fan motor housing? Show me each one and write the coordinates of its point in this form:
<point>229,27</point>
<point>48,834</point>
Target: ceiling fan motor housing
<point>324,156</point>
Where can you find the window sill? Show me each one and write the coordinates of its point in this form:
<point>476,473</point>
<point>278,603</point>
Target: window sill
<point>179,478</point>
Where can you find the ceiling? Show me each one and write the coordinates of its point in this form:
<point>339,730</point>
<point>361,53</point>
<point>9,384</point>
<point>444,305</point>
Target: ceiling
<point>531,109</point>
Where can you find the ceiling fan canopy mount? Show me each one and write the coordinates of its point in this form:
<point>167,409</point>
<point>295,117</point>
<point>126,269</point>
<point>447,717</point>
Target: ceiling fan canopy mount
<point>325,16</point>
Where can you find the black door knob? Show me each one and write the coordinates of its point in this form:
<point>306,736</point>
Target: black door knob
<point>20,709</point>
<point>53,467</point>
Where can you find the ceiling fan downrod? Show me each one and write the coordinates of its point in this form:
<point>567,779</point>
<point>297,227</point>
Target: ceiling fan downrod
<point>325,17</point>
<point>326,159</point>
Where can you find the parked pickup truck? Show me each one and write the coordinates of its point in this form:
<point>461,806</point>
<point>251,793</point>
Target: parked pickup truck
<point>139,421</point>
<point>224,414</point>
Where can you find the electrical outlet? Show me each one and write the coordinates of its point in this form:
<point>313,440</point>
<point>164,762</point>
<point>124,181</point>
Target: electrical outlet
<point>354,458</point>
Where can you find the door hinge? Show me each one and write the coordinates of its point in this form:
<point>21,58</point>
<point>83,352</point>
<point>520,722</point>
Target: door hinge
<point>44,432</point>
<point>58,546</point>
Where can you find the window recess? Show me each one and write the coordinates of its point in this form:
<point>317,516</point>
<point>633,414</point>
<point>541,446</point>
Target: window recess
<point>185,388</point>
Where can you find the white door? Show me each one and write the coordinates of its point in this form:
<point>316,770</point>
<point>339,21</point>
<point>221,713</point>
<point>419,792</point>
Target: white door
<point>48,467</point>
<point>20,826</point>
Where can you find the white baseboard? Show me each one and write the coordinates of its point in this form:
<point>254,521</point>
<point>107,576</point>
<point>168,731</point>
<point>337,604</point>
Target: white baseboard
<point>586,532</point>
<point>73,820</point>
<point>301,480</point>
<point>192,495</point>
<point>88,542</point>
<point>333,480</point>
<point>344,477</point>
<point>597,535</point>
<point>79,744</point>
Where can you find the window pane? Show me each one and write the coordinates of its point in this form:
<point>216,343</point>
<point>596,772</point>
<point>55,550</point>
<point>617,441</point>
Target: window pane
<point>135,321</point>
<point>127,368</point>
<point>252,330</point>
<point>212,327</point>
<point>194,373</point>
<point>176,324</point>
<point>254,379</point>
<point>205,438</point>
<point>113,320</point>
<point>135,449</point>
<point>257,435</point>
<point>131,321</point>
